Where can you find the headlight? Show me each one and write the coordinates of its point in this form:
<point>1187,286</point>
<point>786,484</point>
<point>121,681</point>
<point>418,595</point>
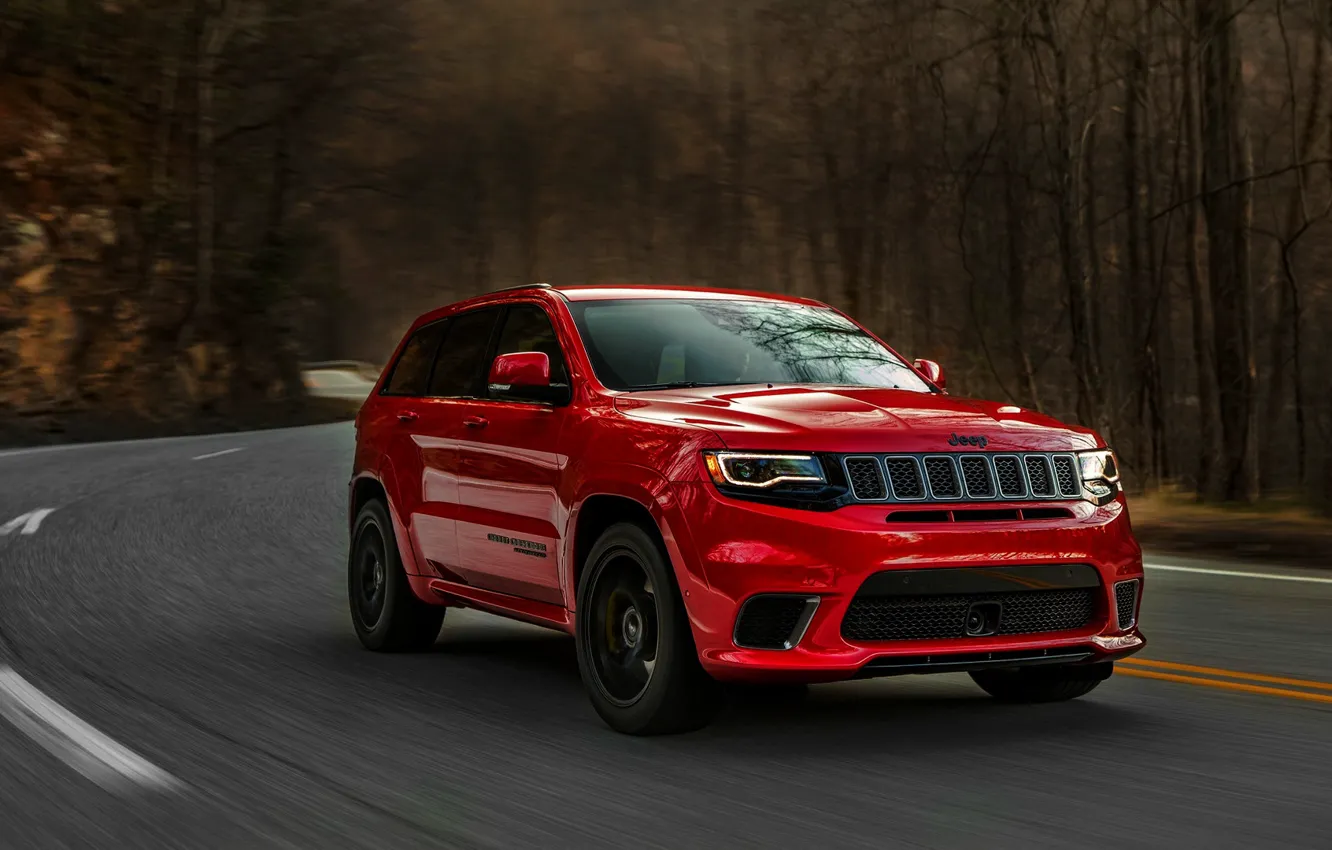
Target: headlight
<point>762,470</point>
<point>1100,474</point>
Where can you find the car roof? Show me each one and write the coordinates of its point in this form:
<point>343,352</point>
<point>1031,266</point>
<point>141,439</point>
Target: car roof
<point>610,291</point>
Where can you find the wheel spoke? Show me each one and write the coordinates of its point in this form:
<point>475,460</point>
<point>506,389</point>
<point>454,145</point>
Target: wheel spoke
<point>371,577</point>
<point>624,628</point>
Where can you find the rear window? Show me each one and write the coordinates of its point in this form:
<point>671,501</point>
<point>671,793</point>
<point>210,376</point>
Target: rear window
<point>411,373</point>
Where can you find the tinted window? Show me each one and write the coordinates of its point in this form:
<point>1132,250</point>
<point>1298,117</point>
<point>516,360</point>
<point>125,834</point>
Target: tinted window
<point>412,370</point>
<point>458,367</point>
<point>635,344</point>
<point>528,328</point>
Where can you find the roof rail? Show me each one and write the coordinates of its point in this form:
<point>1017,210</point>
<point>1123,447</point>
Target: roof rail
<point>523,286</point>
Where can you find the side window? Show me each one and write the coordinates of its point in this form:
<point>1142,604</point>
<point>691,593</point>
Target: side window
<point>458,366</point>
<point>528,328</point>
<point>412,371</point>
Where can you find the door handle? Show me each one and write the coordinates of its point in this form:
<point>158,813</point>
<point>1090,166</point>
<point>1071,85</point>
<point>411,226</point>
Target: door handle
<point>408,416</point>
<point>475,421</point>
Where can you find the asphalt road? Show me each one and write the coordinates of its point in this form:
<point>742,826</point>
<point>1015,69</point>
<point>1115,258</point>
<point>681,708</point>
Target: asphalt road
<point>192,611</point>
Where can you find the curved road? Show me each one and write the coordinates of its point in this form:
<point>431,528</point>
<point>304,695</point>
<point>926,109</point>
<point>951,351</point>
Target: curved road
<point>184,604</point>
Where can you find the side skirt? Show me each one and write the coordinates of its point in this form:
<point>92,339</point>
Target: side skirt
<point>458,595</point>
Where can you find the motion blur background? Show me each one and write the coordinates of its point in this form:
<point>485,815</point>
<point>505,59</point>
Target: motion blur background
<point>1115,211</point>
<point>222,214</point>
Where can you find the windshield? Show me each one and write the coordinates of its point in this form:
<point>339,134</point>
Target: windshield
<point>647,344</point>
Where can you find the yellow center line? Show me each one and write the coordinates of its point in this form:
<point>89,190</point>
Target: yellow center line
<point>1218,683</point>
<point>1228,674</point>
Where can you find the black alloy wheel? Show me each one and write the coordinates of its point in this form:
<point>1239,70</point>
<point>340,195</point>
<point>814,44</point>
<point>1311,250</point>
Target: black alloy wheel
<point>369,579</point>
<point>624,629</point>
<point>387,615</point>
<point>636,653</point>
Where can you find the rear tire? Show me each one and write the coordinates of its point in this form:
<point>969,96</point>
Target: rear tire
<point>636,654</point>
<point>1043,684</point>
<point>387,615</point>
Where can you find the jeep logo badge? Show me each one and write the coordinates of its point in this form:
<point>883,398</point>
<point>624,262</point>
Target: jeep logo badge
<point>955,440</point>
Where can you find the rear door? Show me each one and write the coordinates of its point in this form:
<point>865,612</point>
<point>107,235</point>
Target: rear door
<point>511,517</point>
<point>455,381</point>
<point>402,418</point>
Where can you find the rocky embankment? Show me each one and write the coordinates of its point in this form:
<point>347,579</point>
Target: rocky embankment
<point>95,294</point>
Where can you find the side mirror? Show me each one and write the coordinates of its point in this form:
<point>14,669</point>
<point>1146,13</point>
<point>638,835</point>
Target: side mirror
<point>525,376</point>
<point>933,372</point>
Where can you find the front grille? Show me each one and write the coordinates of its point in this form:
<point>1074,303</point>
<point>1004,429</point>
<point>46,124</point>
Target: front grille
<point>770,621</point>
<point>969,476</point>
<point>888,618</point>
<point>1126,603</point>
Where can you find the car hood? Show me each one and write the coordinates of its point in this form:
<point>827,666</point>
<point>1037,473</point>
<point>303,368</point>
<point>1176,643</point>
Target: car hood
<point>854,419</point>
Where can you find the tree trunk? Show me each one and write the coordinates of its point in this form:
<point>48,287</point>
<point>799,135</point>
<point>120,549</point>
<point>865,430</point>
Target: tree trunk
<point>214,32</point>
<point>1069,163</point>
<point>1286,344</point>
<point>1229,212</point>
<point>737,148</point>
<point>1211,486</point>
<point>1015,242</point>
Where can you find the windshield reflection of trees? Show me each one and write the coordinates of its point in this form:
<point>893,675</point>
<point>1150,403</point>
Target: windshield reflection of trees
<point>810,345</point>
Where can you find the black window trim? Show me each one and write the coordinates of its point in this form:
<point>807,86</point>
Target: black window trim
<point>434,356</point>
<point>478,378</point>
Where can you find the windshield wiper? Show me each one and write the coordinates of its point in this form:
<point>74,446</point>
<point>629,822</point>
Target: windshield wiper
<point>680,385</point>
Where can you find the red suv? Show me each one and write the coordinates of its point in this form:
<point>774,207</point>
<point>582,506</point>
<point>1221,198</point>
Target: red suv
<point>706,486</point>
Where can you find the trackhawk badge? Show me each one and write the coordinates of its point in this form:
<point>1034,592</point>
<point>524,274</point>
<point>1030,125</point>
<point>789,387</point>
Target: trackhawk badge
<point>955,440</point>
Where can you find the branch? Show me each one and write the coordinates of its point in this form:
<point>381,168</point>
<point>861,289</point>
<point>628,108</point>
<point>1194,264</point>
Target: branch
<point>1237,183</point>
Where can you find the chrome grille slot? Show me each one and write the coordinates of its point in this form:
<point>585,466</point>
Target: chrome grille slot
<point>865,478</point>
<point>1065,475</point>
<point>976,476</point>
<point>942,475</point>
<point>904,475</point>
<point>1008,470</point>
<point>1038,476</point>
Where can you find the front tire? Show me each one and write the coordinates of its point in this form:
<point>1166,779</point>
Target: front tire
<point>636,654</point>
<point>387,615</point>
<point>1043,684</point>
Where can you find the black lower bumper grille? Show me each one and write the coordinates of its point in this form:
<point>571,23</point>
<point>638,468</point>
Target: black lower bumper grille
<point>939,617</point>
<point>772,621</point>
<point>1126,603</point>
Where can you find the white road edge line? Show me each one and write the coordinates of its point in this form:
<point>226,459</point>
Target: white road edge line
<point>73,741</point>
<point>219,454</point>
<point>1239,574</point>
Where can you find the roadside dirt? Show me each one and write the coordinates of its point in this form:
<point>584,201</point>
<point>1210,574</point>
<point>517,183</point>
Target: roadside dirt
<point>1276,533</point>
<point>96,428</point>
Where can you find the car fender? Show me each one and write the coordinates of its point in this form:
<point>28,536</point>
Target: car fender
<point>384,475</point>
<point>650,489</point>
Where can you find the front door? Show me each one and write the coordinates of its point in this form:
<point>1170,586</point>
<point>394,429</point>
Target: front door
<point>511,517</point>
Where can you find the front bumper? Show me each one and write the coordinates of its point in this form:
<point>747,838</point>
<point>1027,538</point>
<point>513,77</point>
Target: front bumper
<point>743,549</point>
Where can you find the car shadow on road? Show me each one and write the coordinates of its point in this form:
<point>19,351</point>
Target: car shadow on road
<point>899,715</point>
<point>918,714</point>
